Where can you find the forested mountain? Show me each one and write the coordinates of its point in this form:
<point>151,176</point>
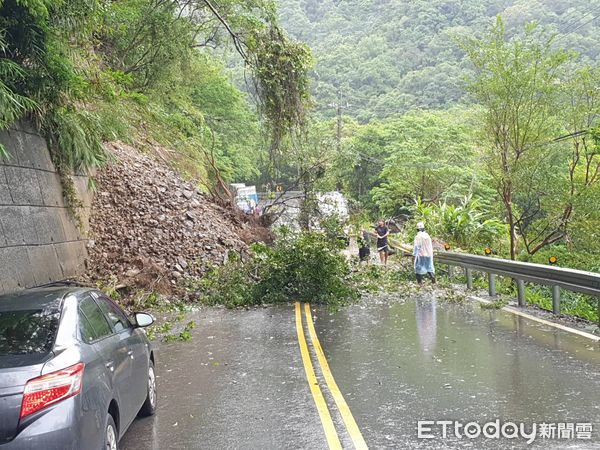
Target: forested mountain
<point>382,57</point>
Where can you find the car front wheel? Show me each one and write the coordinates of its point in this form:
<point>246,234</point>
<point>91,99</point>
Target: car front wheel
<point>111,440</point>
<point>149,406</point>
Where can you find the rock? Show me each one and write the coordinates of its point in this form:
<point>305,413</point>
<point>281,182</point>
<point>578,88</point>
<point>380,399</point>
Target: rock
<point>144,226</point>
<point>132,273</point>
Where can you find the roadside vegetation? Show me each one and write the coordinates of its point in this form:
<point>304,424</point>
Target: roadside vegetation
<point>471,118</point>
<point>152,73</point>
<point>572,304</point>
<point>299,266</point>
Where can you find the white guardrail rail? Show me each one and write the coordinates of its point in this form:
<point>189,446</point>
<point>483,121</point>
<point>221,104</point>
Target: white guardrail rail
<point>556,277</point>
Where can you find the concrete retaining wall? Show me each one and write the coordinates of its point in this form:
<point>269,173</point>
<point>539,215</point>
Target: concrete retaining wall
<point>39,241</point>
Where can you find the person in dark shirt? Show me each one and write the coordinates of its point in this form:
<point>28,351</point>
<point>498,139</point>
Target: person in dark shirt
<point>364,243</point>
<point>382,241</point>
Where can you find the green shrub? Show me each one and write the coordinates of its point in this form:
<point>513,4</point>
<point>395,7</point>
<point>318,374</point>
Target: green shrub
<point>74,138</point>
<point>230,285</point>
<point>467,225</point>
<point>305,266</point>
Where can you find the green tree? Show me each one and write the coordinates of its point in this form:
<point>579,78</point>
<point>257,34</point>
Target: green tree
<point>516,81</point>
<point>432,158</point>
<point>570,176</point>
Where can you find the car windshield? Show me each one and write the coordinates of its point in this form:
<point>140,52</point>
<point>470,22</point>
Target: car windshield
<point>27,332</point>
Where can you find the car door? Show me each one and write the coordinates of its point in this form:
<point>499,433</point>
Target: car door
<point>136,351</point>
<point>113,351</point>
<point>97,391</point>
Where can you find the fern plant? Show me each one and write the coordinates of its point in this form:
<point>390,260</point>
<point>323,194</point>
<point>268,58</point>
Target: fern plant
<point>75,139</point>
<point>12,105</point>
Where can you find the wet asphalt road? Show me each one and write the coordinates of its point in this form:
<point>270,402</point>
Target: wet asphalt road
<point>241,383</point>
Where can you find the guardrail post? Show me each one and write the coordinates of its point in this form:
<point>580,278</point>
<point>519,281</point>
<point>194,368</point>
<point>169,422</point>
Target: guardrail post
<point>492,284</point>
<point>521,292</point>
<point>450,271</point>
<point>556,299</point>
<point>523,274</point>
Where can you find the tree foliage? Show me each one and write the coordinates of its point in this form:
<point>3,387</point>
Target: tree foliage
<point>516,81</point>
<point>433,159</point>
<point>281,69</point>
<point>392,56</point>
<point>306,266</point>
<point>386,165</point>
<point>134,69</point>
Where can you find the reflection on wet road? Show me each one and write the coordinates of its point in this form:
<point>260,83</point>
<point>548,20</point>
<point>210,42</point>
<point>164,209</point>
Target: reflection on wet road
<point>241,384</point>
<point>422,360</point>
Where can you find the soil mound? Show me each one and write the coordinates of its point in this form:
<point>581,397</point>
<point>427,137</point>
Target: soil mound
<point>151,229</point>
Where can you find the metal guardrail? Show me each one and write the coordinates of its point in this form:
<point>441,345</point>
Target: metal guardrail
<point>556,277</point>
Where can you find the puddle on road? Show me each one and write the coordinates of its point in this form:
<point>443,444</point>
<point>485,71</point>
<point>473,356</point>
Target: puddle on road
<point>424,359</point>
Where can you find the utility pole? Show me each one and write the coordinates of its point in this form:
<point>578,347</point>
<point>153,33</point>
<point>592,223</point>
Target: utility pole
<point>339,121</point>
<point>339,107</point>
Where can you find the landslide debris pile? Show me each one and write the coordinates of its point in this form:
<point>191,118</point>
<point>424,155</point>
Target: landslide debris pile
<point>151,229</point>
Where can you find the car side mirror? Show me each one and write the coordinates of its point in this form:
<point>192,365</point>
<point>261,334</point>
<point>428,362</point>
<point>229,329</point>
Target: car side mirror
<point>143,319</point>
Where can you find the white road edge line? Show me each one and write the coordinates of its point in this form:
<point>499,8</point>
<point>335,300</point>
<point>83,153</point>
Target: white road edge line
<point>537,319</point>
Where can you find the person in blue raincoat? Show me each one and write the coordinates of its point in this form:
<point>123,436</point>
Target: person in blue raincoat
<point>423,253</point>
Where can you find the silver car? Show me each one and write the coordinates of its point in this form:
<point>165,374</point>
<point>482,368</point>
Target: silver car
<point>74,370</point>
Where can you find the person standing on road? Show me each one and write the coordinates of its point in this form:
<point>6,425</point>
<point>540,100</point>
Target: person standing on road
<point>364,250</point>
<point>382,242</point>
<point>423,253</point>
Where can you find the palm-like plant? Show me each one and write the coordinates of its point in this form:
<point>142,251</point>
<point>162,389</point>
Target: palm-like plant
<point>466,224</point>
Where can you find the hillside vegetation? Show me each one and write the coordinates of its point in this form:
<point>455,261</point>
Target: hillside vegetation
<point>489,107</point>
<point>148,72</point>
<point>384,57</point>
<point>479,117</point>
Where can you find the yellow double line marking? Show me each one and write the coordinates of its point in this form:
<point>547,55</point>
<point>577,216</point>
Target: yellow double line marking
<point>330,432</point>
